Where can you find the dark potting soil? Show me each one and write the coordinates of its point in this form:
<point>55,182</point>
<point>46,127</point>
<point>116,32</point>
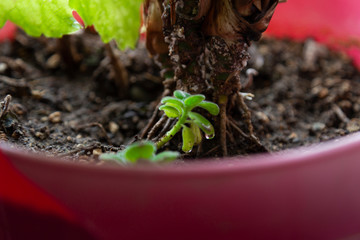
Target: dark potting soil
<point>65,100</point>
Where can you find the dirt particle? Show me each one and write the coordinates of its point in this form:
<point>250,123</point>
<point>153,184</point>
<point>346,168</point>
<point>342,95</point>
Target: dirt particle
<point>3,67</point>
<point>44,119</point>
<point>262,117</point>
<point>293,136</point>
<point>40,135</point>
<point>353,125</point>
<point>3,137</point>
<point>37,94</point>
<point>53,61</point>
<point>113,127</point>
<point>67,106</point>
<point>55,117</point>
<point>18,109</point>
<point>324,92</point>
<point>318,126</point>
<point>79,145</point>
<point>97,152</point>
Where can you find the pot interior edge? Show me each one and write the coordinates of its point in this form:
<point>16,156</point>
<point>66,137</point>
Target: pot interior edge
<point>330,150</point>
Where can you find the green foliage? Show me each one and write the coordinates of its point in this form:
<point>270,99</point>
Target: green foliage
<point>119,20</point>
<point>180,106</point>
<point>51,18</point>
<point>145,150</point>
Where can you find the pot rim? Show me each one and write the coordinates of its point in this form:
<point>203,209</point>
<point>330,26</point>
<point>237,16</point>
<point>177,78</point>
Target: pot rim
<point>315,153</point>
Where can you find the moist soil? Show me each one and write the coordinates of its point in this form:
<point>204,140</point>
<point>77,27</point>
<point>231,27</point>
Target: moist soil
<point>65,100</point>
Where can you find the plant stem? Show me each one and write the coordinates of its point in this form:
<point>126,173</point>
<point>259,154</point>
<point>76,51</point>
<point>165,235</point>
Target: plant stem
<point>171,133</point>
<point>223,99</point>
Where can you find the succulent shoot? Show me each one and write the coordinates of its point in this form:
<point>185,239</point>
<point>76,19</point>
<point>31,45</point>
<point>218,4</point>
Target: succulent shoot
<point>138,151</point>
<point>192,124</point>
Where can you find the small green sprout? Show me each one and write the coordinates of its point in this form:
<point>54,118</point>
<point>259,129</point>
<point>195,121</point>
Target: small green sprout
<point>180,106</point>
<point>144,150</point>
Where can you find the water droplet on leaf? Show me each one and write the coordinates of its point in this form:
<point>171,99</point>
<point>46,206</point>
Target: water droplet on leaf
<point>209,136</point>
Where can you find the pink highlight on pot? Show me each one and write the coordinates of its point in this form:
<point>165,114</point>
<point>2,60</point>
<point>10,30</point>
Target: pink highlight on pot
<point>18,189</point>
<point>354,53</point>
<point>334,23</point>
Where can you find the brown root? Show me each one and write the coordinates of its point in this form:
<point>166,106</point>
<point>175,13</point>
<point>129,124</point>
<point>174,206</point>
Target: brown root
<point>159,124</point>
<point>169,87</point>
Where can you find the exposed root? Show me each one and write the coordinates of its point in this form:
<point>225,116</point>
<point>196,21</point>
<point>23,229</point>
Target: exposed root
<point>250,136</point>
<point>169,85</point>
<point>230,135</point>
<point>4,106</point>
<point>247,113</point>
<point>233,124</point>
<point>166,128</point>
<point>156,127</point>
<point>151,123</point>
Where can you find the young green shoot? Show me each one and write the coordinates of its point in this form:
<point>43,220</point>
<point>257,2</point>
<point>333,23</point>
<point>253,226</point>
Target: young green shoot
<point>145,151</point>
<point>191,123</point>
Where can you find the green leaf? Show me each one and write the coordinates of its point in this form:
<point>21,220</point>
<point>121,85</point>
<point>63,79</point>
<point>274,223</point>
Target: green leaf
<point>119,20</point>
<point>180,109</point>
<point>193,100</point>
<point>188,139</point>
<point>211,107</point>
<point>197,133</point>
<point>181,94</point>
<point>140,150</point>
<point>118,157</point>
<point>51,18</point>
<point>170,111</point>
<point>4,8</point>
<point>165,156</point>
<point>203,124</point>
<point>173,101</point>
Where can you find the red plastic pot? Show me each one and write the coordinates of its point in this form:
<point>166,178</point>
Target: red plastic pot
<point>306,193</point>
